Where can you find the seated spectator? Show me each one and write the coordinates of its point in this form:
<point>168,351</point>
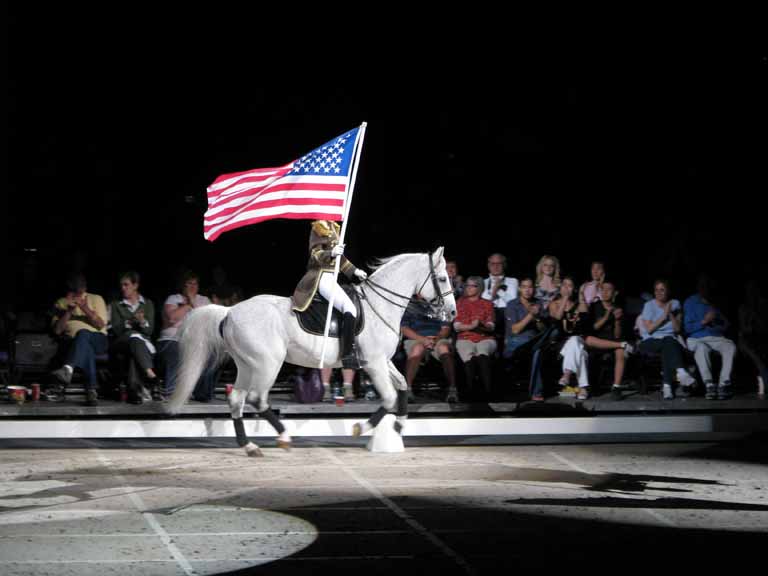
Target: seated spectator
<point>474,325</point>
<point>705,325</point>
<point>500,290</point>
<point>133,322</point>
<point>523,319</point>
<point>606,332</point>
<point>590,291</point>
<point>426,336</point>
<point>570,316</point>
<point>457,281</point>
<point>81,318</point>
<point>176,307</point>
<point>753,333</point>
<point>661,321</point>
<point>547,281</point>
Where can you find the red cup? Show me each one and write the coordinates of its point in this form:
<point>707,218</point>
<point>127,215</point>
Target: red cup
<point>339,400</point>
<point>18,393</point>
<point>35,391</point>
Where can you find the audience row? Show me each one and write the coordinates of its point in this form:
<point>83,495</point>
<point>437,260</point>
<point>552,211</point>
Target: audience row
<point>499,317</point>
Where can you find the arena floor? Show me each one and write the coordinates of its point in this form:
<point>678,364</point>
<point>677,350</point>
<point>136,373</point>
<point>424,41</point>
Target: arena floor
<point>145,508</point>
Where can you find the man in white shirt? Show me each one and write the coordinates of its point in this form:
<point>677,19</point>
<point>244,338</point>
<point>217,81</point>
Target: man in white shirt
<point>499,289</point>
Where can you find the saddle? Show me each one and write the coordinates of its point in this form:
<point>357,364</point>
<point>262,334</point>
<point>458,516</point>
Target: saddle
<point>312,320</point>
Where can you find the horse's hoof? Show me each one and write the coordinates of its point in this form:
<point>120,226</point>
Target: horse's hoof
<point>252,450</point>
<point>285,445</point>
<point>357,430</point>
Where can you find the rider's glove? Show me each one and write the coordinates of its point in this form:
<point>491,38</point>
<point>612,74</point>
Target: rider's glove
<point>361,274</point>
<point>337,250</point>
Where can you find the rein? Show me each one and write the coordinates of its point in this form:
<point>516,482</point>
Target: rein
<point>434,303</point>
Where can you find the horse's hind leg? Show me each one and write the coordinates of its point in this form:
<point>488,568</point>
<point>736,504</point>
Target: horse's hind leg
<point>236,402</point>
<point>258,363</point>
<point>260,403</point>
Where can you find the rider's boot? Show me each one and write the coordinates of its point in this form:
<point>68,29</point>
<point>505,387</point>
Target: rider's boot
<point>348,350</point>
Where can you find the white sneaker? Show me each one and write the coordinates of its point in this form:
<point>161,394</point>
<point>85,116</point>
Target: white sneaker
<point>686,379</point>
<point>63,374</point>
<point>666,392</point>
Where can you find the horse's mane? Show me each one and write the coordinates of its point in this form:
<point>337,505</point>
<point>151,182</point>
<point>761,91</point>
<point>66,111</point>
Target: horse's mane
<point>384,263</point>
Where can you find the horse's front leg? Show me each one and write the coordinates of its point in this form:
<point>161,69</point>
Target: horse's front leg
<point>260,403</point>
<point>401,386</point>
<point>380,375</point>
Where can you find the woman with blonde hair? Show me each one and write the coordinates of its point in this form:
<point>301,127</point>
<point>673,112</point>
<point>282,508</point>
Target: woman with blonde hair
<point>547,280</point>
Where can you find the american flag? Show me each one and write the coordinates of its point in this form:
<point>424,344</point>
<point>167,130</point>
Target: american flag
<point>314,187</point>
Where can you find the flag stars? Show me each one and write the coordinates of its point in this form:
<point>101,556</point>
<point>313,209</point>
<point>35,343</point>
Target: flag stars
<point>328,159</point>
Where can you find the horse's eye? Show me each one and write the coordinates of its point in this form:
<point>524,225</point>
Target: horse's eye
<point>442,278</point>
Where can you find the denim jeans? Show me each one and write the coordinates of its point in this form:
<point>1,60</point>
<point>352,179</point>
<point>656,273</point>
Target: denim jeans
<point>168,351</point>
<point>83,351</point>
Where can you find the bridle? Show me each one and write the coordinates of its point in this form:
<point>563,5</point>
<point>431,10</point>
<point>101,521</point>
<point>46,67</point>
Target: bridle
<point>436,303</point>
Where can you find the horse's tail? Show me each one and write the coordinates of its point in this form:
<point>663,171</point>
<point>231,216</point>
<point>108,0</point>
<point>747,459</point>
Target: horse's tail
<point>200,346</point>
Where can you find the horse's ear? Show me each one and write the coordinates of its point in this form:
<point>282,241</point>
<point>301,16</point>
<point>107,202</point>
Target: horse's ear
<point>438,253</point>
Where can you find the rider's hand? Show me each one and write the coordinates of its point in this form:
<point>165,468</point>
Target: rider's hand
<point>337,250</point>
<point>361,274</point>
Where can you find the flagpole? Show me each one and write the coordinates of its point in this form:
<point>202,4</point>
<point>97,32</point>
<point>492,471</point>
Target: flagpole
<point>347,202</point>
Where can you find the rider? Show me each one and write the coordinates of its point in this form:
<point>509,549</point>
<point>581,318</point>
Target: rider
<point>323,248</point>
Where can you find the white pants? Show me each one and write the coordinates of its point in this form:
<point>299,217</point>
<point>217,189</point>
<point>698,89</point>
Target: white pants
<point>341,301</point>
<point>575,359</point>
<point>703,347</point>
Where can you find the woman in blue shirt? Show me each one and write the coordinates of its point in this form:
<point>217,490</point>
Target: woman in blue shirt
<point>662,322</point>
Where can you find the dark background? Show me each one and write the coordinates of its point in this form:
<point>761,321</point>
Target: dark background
<point>646,150</point>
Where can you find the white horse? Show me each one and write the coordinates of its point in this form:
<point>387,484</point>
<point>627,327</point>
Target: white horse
<point>263,332</point>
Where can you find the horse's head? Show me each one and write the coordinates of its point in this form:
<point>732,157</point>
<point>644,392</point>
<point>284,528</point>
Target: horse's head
<point>437,289</point>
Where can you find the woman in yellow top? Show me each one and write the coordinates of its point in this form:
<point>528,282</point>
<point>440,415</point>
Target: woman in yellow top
<point>323,248</point>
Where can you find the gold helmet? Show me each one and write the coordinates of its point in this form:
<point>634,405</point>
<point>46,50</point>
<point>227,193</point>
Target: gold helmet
<point>326,228</point>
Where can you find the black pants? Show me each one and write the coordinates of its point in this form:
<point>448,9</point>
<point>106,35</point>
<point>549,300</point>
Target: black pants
<point>671,355</point>
<point>139,359</point>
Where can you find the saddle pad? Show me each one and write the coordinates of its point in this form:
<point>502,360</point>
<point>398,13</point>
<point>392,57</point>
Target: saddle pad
<point>312,320</point>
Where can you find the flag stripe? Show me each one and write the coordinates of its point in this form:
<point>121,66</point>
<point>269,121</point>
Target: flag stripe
<point>223,215</point>
<point>286,187</point>
<point>226,180</point>
<point>295,213</point>
<point>314,186</point>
